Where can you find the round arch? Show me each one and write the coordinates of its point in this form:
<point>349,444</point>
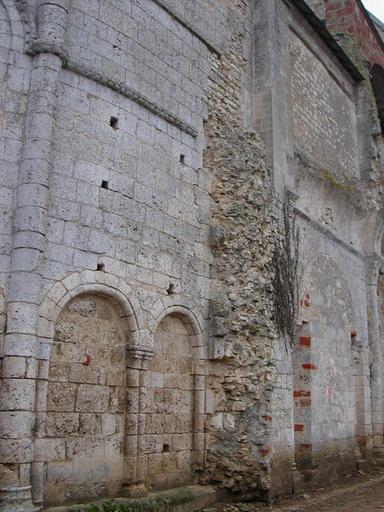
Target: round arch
<point>86,294</point>
<point>182,309</point>
<point>177,381</point>
<point>88,282</point>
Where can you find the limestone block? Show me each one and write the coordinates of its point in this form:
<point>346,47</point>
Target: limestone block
<point>92,398</point>
<point>83,374</point>
<point>90,424</point>
<point>131,446</point>
<point>116,400</point>
<point>114,445</point>
<point>14,367</point>
<point>60,471</point>
<point>181,442</point>
<point>132,397</point>
<point>85,447</point>
<point>131,424</point>
<point>49,450</point>
<point>62,424</point>
<point>16,425</point>
<point>16,450</point>
<point>132,378</point>
<point>17,394</point>
<point>108,424</point>
<point>61,396</point>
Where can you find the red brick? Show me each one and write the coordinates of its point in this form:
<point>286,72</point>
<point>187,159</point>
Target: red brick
<point>300,392</point>
<point>305,341</point>
<point>349,16</point>
<point>309,366</point>
<point>299,427</point>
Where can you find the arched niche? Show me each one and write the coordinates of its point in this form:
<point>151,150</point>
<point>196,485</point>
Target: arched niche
<point>83,443</point>
<point>176,394</point>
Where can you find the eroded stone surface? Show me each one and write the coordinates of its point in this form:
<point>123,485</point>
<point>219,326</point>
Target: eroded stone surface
<point>83,451</point>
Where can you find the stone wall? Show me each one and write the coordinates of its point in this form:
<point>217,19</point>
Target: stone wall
<point>142,212</point>
<point>334,206</point>
<point>119,213</point>
<point>324,119</point>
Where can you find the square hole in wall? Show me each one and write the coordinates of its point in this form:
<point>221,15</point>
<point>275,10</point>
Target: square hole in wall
<point>114,122</point>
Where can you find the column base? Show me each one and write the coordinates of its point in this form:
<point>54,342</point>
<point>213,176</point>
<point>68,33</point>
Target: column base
<point>137,490</point>
<point>17,499</point>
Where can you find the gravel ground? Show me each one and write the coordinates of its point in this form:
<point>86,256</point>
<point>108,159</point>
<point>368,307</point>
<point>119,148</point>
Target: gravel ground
<point>364,493</point>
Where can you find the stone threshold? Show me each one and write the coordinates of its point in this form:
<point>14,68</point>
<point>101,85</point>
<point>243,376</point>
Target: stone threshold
<point>182,499</point>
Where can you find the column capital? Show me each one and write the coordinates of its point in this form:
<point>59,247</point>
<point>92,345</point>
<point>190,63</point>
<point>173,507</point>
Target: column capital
<point>138,358</point>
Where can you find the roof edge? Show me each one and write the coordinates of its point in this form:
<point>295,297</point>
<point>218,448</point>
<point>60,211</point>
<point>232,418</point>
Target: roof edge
<point>319,26</point>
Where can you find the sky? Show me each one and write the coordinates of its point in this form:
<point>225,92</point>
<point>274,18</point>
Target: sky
<point>376,7</point>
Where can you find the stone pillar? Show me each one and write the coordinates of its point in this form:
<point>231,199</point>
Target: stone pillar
<point>21,345</point>
<point>135,458</point>
<point>198,441</point>
<point>376,356</point>
<point>361,445</point>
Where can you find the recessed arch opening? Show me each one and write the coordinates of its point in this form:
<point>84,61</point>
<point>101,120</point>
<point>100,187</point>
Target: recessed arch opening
<point>85,411</point>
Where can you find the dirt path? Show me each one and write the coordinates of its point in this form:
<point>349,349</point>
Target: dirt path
<point>365,494</point>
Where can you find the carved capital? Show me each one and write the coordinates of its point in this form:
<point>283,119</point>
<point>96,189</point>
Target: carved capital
<point>138,358</point>
<point>39,46</point>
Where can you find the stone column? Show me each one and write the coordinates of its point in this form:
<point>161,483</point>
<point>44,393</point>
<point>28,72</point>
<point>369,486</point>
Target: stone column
<point>376,357</point>
<point>135,458</point>
<point>198,440</point>
<point>21,345</point>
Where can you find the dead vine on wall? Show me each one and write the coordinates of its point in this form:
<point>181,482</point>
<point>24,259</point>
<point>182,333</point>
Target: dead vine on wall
<point>285,280</point>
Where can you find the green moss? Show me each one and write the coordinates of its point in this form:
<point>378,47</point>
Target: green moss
<point>254,329</point>
<point>350,45</point>
<point>153,503</point>
<point>331,178</point>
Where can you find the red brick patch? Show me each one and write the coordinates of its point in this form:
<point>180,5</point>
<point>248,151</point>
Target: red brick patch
<point>309,366</point>
<point>305,341</point>
<point>300,392</point>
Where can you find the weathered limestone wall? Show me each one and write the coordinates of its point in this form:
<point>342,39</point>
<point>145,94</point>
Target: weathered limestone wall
<point>332,422</point>
<point>117,214</point>
<point>84,425</point>
<point>324,116</point>
<point>142,212</point>
<point>15,69</point>
<point>242,238</point>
